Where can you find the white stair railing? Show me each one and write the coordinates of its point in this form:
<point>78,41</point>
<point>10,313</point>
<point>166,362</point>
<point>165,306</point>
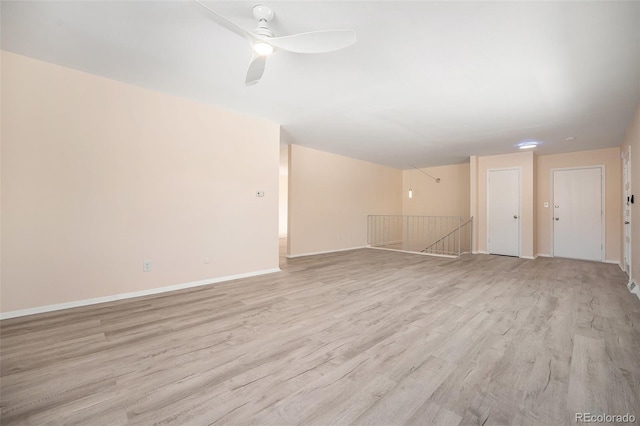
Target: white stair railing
<point>438,235</point>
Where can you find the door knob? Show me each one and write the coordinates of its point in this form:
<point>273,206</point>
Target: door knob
<point>626,222</point>
<point>557,218</point>
<point>515,216</point>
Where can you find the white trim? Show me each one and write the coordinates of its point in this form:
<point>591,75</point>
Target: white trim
<point>520,181</point>
<point>122,296</point>
<point>626,158</point>
<point>480,252</point>
<point>415,252</point>
<point>543,255</point>
<point>528,257</point>
<point>603,219</point>
<point>613,262</point>
<point>293,256</point>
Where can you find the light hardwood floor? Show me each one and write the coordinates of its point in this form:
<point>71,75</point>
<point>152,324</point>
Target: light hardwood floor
<point>364,337</point>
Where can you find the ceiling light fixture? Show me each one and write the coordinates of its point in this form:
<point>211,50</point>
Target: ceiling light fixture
<point>425,173</point>
<point>263,48</point>
<point>410,190</point>
<point>528,144</point>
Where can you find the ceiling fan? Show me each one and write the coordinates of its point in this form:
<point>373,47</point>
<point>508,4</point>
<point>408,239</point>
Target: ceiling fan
<point>263,42</point>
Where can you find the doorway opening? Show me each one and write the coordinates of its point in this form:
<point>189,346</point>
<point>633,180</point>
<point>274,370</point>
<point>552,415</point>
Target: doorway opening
<point>626,214</point>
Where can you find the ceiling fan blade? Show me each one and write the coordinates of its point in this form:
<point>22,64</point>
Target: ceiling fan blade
<point>231,26</point>
<point>256,69</point>
<point>315,41</point>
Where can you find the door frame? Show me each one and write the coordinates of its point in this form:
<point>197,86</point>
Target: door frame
<point>499,169</point>
<point>626,157</point>
<point>603,250</point>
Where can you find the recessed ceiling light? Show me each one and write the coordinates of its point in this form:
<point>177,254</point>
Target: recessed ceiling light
<point>570,138</point>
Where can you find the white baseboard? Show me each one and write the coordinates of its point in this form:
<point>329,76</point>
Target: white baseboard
<point>293,256</point>
<point>615,262</point>
<point>528,257</point>
<point>480,252</point>
<point>122,296</point>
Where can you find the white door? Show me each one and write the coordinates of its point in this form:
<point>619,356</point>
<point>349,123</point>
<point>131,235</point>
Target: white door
<point>503,224</point>
<point>577,213</point>
<point>626,212</point>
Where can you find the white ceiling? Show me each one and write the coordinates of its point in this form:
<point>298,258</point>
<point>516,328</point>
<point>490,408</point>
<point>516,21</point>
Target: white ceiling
<point>427,83</point>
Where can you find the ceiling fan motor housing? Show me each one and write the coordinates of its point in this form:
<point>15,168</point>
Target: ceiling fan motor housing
<point>263,13</point>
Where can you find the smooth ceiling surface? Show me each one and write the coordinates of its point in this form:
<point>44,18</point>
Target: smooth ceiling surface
<point>427,83</point>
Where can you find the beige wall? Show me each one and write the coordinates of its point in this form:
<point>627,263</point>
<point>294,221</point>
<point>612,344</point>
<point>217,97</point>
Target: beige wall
<point>632,139</point>
<point>283,190</point>
<point>450,197</point>
<point>525,162</point>
<point>98,176</point>
<point>610,158</point>
<point>536,197</point>
<point>330,197</point>
<point>1,173</point>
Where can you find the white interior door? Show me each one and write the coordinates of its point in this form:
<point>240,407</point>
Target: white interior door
<point>503,202</point>
<point>577,213</point>
<point>626,212</point>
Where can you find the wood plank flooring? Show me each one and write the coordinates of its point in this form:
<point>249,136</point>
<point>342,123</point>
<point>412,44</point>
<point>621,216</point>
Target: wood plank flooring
<point>367,337</point>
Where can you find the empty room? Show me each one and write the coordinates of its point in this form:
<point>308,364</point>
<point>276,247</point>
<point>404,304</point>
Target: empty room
<point>319,212</point>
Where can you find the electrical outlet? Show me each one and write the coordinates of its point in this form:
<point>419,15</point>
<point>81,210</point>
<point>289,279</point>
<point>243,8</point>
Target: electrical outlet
<point>207,260</point>
<point>146,265</point>
<point>259,193</point>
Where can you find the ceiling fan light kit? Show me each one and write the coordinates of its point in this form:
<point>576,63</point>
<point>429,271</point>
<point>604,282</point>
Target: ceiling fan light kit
<point>262,48</point>
<point>263,43</point>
